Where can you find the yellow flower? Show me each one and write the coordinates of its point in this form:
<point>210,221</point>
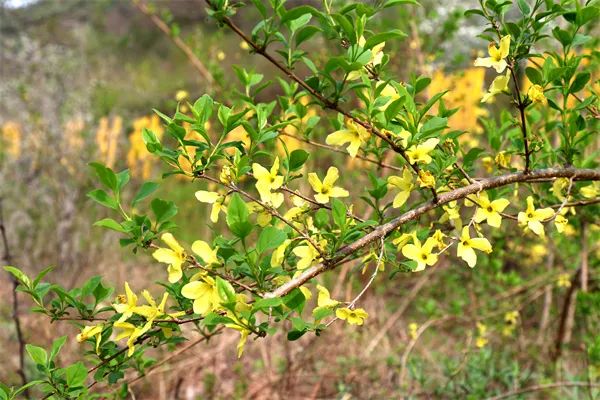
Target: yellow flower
<point>181,95</point>
<point>413,328</point>
<point>174,257</point>
<point>220,55</point>
<point>439,236</point>
<point>452,210</point>
<point>208,255</point>
<point>591,191</point>
<point>405,184</point>
<point>499,85</point>
<point>325,189</point>
<point>89,332</point>
<point>307,254</point>
<point>131,332</point>
<point>564,280</point>
<point>376,57</point>
<point>490,210</point>
<point>558,187</point>
<point>560,223</point>
<point>267,181</point>
<point>481,340</point>
<point>244,45</point>
<point>511,317</point>
<point>227,175</point>
<point>324,299</point>
<point>215,199</point>
<point>502,159</point>
<point>422,254</point>
<point>403,239</point>
<point>467,244</point>
<point>420,153</point>
<point>354,134</point>
<point>126,306</point>
<point>532,218</point>
<point>279,253</point>
<point>152,311</point>
<point>497,58</point>
<point>426,179</point>
<point>204,293</point>
<point>353,317</point>
<point>536,94</point>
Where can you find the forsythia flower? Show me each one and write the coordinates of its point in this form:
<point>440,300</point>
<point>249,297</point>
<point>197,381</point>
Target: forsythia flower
<point>90,332</point>
<point>439,236</point>
<point>353,317</point>
<point>131,332</point>
<point>413,327</point>
<point>204,293</point>
<point>591,191</point>
<point>126,306</point>
<point>208,255</point>
<point>481,340</point>
<point>511,317</point>
<point>215,199</point>
<point>497,58</point>
<point>279,253</point>
<point>532,218</point>
<point>420,153</point>
<point>499,85</point>
<point>325,189</point>
<point>267,181</point>
<point>405,184</point>
<point>422,254</point>
<point>536,94</point>
<point>174,257</point>
<point>324,299</point>
<point>467,244</point>
<point>151,311</point>
<point>564,280</point>
<point>181,95</point>
<point>354,134</point>
<point>307,254</point>
<point>426,179</point>
<point>560,222</point>
<point>490,210</point>
<point>503,159</point>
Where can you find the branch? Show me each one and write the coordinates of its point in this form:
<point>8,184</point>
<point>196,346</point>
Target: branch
<point>15,306</point>
<point>326,102</point>
<point>160,24</point>
<point>457,194</point>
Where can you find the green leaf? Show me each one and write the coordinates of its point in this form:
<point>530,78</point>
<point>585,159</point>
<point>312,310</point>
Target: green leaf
<point>110,223</point>
<point>163,210</point>
<point>297,159</point>
<point>295,334</point>
<point>19,275</point>
<point>534,75</point>
<point>37,354</point>
<point>524,7</point>
<point>146,190</point>
<point>76,375</point>
<point>270,238</point>
<point>338,210</point>
<point>103,198</point>
<point>382,37</point>
<point>295,300</point>
<point>106,175</point>
<point>267,303</point>
<point>225,290</point>
<point>579,82</point>
<point>237,217</point>
<point>56,346</point>
<point>392,3</point>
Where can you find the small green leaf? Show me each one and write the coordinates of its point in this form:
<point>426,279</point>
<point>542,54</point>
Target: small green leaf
<point>267,303</point>
<point>110,223</point>
<point>237,217</point>
<point>76,375</point>
<point>297,159</point>
<point>270,238</point>
<point>56,346</point>
<point>146,190</point>
<point>106,175</point>
<point>225,290</point>
<point>37,354</point>
<point>579,82</point>
<point>103,198</point>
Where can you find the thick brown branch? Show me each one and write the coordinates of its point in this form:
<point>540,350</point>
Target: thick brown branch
<point>461,193</point>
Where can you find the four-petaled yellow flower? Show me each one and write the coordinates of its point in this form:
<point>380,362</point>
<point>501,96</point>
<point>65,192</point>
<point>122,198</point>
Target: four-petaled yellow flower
<point>405,184</point>
<point>591,191</point>
<point>466,247</point>
<point>532,218</point>
<point>90,332</point>
<point>307,254</point>
<point>353,317</point>
<point>324,298</point>
<point>204,293</point>
<point>497,58</point>
<point>215,199</point>
<point>499,85</point>
<point>426,179</point>
<point>174,257</point>
<point>503,159</point>
<point>420,153</point>
<point>131,332</point>
<point>126,305</point>
<point>422,254</point>
<point>325,189</point>
<point>354,134</point>
<point>152,311</point>
<point>208,255</point>
<point>268,181</point>
<point>489,210</point>
<point>563,280</point>
<point>536,94</point>
<point>560,222</point>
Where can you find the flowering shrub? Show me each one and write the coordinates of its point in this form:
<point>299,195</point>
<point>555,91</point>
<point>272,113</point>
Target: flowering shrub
<point>434,192</point>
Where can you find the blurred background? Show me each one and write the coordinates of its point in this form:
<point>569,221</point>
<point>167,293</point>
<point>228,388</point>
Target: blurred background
<point>78,82</point>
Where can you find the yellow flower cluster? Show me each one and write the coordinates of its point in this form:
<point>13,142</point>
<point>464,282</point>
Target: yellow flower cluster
<point>107,139</point>
<point>11,139</point>
<point>139,160</point>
